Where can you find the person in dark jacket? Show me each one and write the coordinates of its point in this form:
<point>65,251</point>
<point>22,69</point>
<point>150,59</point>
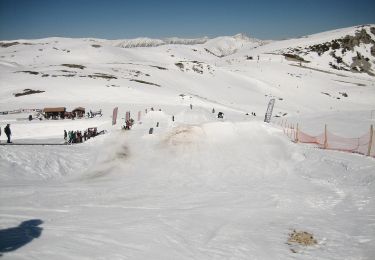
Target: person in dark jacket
<point>8,132</point>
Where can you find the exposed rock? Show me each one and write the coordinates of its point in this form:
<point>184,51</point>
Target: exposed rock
<point>29,72</point>
<point>101,75</point>
<point>180,65</point>
<point>28,92</point>
<point>74,66</point>
<point>145,82</point>
<point>294,57</point>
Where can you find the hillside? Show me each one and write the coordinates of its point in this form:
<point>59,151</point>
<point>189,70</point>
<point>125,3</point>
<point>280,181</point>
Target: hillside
<point>198,187</point>
<point>350,49</point>
<point>223,71</point>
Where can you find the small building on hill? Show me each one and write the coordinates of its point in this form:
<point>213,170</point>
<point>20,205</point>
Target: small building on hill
<point>79,112</point>
<point>54,112</point>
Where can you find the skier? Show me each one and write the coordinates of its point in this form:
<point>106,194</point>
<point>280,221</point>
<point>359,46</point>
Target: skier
<point>220,115</point>
<point>8,132</point>
<point>65,135</point>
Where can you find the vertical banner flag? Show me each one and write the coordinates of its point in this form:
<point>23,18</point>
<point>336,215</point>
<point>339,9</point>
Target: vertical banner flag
<point>114,116</point>
<point>267,117</point>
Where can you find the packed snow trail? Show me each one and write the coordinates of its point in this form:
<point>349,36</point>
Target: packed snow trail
<point>210,190</point>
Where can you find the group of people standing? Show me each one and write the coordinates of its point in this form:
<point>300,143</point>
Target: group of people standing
<point>7,132</point>
<point>73,137</point>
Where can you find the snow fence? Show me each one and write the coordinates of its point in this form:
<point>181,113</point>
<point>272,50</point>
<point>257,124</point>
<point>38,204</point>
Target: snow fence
<point>364,144</point>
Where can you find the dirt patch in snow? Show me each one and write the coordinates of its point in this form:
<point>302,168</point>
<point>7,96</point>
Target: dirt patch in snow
<point>301,238</point>
<point>183,135</point>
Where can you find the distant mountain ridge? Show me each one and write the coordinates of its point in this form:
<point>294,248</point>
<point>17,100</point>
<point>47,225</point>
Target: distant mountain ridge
<point>346,49</point>
<point>150,42</point>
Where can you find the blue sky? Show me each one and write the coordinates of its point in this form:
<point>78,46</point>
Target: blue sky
<point>116,19</point>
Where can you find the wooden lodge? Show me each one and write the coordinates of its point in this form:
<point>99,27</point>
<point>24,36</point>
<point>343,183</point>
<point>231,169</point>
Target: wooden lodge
<point>54,112</point>
<point>79,112</point>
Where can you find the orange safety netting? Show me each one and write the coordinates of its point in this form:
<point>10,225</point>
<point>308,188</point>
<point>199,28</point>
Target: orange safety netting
<point>332,141</point>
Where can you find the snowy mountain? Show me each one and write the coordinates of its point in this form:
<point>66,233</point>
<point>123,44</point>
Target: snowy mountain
<point>198,187</point>
<point>148,42</point>
<point>220,46</point>
<point>224,46</point>
<point>351,49</point>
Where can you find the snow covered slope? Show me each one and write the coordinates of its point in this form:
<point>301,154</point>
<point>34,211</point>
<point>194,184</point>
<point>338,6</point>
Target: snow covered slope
<point>348,49</point>
<point>199,187</point>
<point>88,71</point>
<point>212,189</point>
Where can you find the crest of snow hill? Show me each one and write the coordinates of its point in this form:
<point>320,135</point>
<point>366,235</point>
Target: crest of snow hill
<point>349,49</point>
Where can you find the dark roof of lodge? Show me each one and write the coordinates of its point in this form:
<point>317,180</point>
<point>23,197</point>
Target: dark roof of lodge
<point>79,109</point>
<point>54,109</point>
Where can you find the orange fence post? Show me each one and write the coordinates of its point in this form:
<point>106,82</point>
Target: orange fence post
<point>325,137</point>
<point>291,132</point>
<point>370,142</point>
<point>297,133</point>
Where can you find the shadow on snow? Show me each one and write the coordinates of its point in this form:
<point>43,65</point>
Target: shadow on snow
<point>13,238</point>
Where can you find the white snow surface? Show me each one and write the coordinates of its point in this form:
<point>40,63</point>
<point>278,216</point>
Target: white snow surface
<point>198,187</point>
